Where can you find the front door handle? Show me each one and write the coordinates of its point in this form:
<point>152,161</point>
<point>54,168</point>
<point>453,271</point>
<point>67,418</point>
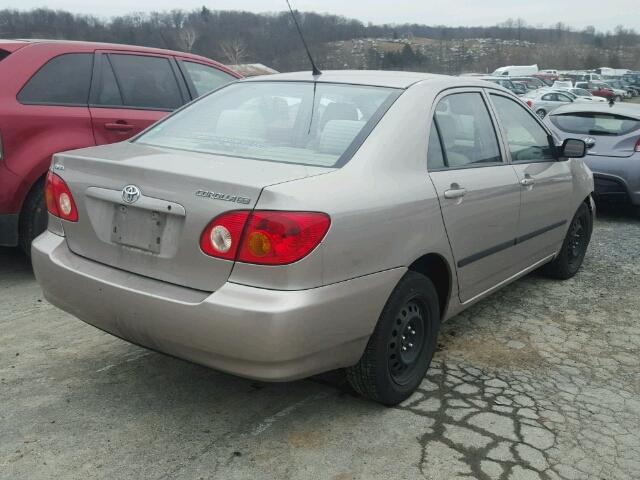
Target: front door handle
<point>119,127</point>
<point>527,182</point>
<point>457,192</point>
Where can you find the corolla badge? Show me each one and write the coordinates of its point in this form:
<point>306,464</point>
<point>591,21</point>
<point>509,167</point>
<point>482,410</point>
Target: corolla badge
<point>130,194</point>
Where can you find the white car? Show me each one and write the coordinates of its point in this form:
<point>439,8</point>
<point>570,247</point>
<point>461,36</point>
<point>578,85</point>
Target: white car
<point>581,93</point>
<point>543,100</point>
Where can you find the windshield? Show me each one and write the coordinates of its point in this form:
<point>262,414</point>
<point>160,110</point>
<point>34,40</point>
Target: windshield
<point>293,122</point>
<point>591,123</point>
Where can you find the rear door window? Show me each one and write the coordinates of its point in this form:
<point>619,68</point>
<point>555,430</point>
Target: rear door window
<point>206,78</point>
<point>467,132</point>
<point>595,123</point>
<point>108,91</point>
<point>146,81</point>
<point>63,80</point>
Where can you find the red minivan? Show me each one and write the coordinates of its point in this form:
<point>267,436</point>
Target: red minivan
<point>62,95</point>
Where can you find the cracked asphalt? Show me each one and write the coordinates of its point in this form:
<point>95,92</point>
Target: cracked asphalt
<point>539,381</point>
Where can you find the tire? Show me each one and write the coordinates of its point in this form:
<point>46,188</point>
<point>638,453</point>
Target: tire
<point>33,218</point>
<point>541,112</point>
<point>574,247</point>
<point>392,366</point>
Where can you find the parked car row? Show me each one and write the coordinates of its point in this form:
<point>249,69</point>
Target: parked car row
<point>60,95</point>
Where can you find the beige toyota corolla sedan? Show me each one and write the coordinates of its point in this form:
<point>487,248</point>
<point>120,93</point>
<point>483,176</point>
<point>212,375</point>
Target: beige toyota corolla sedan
<point>288,225</point>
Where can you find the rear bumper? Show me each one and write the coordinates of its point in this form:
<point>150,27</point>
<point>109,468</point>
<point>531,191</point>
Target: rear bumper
<point>8,230</point>
<point>616,178</point>
<point>251,332</point>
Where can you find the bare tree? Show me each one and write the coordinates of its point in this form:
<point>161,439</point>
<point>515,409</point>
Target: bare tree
<point>187,37</point>
<point>234,50</point>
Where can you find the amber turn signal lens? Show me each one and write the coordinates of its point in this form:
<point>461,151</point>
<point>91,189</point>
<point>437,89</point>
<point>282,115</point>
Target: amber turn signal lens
<point>259,244</point>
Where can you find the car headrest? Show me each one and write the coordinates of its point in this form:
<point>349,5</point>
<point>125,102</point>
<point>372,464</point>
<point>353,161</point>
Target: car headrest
<point>338,111</point>
<point>337,135</point>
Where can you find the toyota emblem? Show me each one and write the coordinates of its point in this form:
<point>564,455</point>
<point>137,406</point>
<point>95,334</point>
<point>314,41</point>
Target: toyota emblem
<point>130,194</point>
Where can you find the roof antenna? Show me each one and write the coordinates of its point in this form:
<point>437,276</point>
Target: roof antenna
<point>315,70</point>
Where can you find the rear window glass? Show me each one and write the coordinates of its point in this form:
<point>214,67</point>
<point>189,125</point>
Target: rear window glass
<point>63,80</point>
<point>292,122</point>
<point>589,123</point>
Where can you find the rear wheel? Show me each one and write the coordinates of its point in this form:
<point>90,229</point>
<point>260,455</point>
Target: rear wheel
<point>574,247</point>
<point>541,112</point>
<point>33,218</point>
<point>402,345</point>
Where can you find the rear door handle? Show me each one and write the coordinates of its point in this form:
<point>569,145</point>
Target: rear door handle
<point>119,127</point>
<point>455,193</point>
<point>527,181</point>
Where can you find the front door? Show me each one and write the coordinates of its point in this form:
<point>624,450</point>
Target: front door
<point>478,191</point>
<point>130,92</point>
<point>545,182</point>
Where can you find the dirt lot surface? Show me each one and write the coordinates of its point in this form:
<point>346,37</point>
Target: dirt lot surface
<point>542,380</point>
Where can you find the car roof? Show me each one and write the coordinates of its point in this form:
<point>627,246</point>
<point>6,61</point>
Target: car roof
<point>377,78</point>
<point>112,46</point>
<point>626,109</point>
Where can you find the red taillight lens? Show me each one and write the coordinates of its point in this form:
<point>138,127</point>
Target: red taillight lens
<point>222,236</point>
<point>59,199</point>
<point>530,103</point>
<point>265,237</point>
<point>637,147</point>
<point>278,238</point>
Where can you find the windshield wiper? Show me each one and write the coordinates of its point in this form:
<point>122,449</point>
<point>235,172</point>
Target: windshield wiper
<point>601,132</point>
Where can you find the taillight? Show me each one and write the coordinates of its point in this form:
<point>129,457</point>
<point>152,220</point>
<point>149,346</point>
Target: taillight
<point>530,103</point>
<point>59,199</point>
<point>265,237</point>
<point>222,236</point>
<point>637,147</point>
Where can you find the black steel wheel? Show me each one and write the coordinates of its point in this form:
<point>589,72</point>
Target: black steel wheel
<point>402,345</point>
<point>574,247</point>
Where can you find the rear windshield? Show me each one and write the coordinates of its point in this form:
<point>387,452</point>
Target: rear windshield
<point>590,123</point>
<point>307,123</point>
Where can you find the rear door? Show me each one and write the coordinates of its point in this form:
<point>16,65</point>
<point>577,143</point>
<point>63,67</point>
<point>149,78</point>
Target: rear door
<point>478,191</point>
<point>131,91</point>
<point>545,182</point>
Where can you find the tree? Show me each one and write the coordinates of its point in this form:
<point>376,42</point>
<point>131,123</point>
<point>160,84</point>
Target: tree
<point>234,51</point>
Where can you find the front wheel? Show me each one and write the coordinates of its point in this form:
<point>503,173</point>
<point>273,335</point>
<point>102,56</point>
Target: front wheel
<point>574,247</point>
<point>402,345</point>
<point>541,113</point>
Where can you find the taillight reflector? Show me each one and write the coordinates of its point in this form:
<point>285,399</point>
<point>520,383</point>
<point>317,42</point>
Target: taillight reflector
<point>265,237</point>
<point>59,199</point>
<point>637,147</point>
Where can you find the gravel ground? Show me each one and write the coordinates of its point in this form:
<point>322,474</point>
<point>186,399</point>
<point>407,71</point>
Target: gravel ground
<point>542,380</point>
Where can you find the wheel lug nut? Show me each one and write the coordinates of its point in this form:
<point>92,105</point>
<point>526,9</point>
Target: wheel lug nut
<point>411,345</point>
<point>403,337</point>
<point>404,349</point>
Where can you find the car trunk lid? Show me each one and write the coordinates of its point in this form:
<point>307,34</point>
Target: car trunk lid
<point>157,234</point>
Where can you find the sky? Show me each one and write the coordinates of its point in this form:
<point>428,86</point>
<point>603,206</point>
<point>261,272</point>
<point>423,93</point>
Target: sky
<point>602,14</point>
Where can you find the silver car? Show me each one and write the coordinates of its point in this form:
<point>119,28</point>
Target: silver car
<point>612,135</point>
<point>543,101</point>
<point>288,225</point>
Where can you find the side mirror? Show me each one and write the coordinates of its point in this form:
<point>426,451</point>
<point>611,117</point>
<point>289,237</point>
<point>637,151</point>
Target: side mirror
<point>573,148</point>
